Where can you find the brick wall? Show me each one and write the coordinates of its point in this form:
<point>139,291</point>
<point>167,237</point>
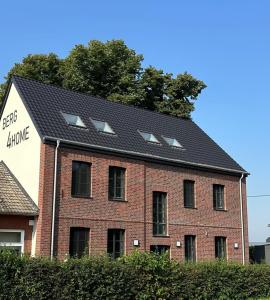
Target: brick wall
<point>135,215</point>
<point>43,227</point>
<point>21,223</point>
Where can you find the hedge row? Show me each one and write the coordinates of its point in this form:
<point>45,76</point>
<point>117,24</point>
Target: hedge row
<point>139,276</point>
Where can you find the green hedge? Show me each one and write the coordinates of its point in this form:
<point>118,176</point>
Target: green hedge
<point>139,276</point>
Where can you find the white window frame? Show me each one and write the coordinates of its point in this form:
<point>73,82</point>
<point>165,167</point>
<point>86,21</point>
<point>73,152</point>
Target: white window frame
<point>12,244</point>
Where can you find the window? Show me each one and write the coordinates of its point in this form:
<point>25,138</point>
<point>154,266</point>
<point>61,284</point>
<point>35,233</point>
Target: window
<point>117,183</point>
<point>102,126</point>
<point>218,196</point>
<point>159,249</point>
<point>172,142</point>
<point>189,199</point>
<point>159,213</point>
<point>220,247</point>
<point>73,120</point>
<point>79,242</point>
<point>12,239</point>
<point>190,248</point>
<point>115,246</point>
<point>149,137</point>
<point>80,179</point>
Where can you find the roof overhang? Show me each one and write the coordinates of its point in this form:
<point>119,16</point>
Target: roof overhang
<point>14,200</point>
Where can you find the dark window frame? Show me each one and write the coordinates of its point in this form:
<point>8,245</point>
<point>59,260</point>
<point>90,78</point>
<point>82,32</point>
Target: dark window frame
<point>76,186</point>
<point>189,203</point>
<point>170,141</point>
<point>190,248</point>
<point>114,250</point>
<point>220,247</point>
<point>77,237</point>
<point>160,218</point>
<point>65,116</point>
<point>148,140</point>
<point>219,197</point>
<point>111,132</point>
<point>113,188</point>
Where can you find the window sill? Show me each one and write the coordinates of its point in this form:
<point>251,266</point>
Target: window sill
<point>117,200</point>
<point>220,209</point>
<point>190,207</point>
<point>82,197</point>
<point>161,236</point>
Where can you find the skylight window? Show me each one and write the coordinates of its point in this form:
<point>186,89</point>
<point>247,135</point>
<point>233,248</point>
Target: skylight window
<point>149,137</point>
<point>73,120</point>
<point>102,126</point>
<point>172,142</point>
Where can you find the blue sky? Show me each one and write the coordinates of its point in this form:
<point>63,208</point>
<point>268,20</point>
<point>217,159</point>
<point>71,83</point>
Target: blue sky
<point>225,43</point>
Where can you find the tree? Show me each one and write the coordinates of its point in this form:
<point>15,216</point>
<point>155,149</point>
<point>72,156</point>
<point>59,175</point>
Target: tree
<point>45,68</point>
<point>112,70</point>
<point>181,92</point>
<point>102,69</point>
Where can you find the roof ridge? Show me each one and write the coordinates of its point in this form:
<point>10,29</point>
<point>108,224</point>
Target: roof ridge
<point>101,98</point>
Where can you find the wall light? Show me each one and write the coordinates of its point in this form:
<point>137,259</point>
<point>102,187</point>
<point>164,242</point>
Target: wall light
<point>178,244</point>
<point>236,245</point>
<point>136,243</point>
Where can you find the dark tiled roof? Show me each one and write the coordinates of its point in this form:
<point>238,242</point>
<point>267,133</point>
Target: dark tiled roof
<point>13,198</point>
<point>45,102</point>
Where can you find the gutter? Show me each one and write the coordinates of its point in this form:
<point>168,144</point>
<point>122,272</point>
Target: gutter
<point>138,154</point>
<point>242,219</point>
<point>54,195</point>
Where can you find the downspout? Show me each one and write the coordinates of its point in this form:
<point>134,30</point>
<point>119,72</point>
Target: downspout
<point>144,213</point>
<point>242,220</point>
<point>54,195</point>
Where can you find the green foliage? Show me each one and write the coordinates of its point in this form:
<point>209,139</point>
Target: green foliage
<point>157,276</point>
<point>45,68</point>
<point>102,69</point>
<point>112,70</point>
<point>141,276</point>
<point>181,93</point>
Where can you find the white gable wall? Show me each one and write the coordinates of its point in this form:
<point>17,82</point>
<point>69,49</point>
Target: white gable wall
<point>20,144</point>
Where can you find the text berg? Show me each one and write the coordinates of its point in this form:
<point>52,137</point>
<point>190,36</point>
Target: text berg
<point>10,119</point>
<point>18,137</point>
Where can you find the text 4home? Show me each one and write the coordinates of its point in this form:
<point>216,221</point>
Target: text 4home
<point>16,137</point>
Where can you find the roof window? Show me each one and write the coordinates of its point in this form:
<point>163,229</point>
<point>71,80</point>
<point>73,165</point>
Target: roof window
<point>149,137</point>
<point>172,142</point>
<point>73,120</point>
<point>102,126</point>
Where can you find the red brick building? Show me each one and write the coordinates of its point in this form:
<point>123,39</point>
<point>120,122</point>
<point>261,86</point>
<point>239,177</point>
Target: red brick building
<point>100,177</point>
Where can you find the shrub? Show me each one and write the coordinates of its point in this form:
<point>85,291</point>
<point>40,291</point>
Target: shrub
<point>140,276</point>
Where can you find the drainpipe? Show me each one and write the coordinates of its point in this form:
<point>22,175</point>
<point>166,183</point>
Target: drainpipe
<point>242,220</point>
<point>145,217</point>
<point>54,196</point>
